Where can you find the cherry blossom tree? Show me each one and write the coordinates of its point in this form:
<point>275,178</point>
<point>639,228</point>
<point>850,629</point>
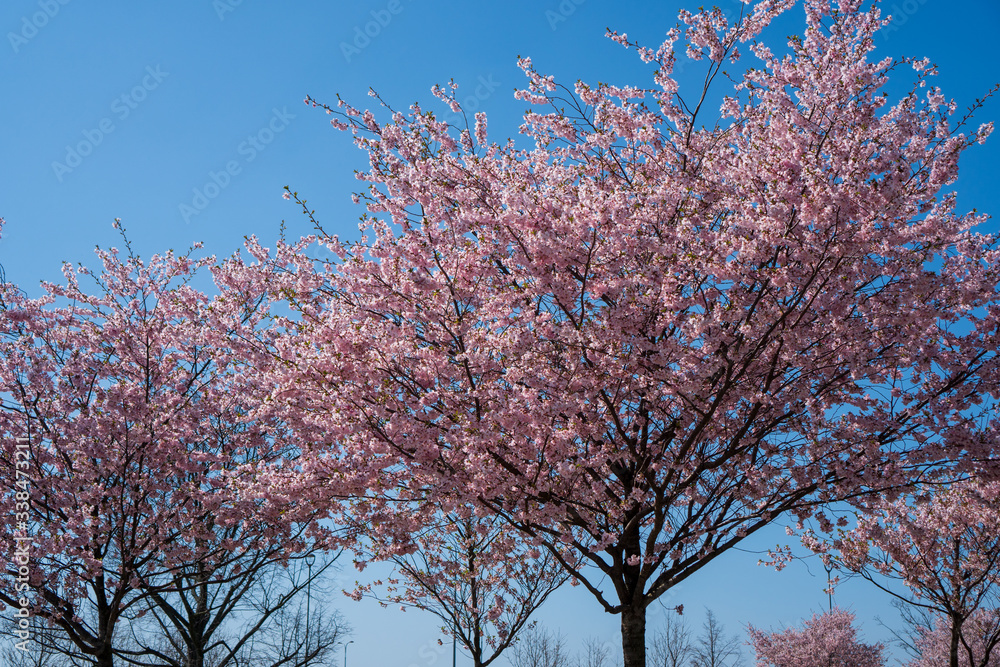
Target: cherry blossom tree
<point>944,545</point>
<point>251,608</point>
<point>474,573</point>
<point>125,421</point>
<point>42,651</point>
<point>648,333</point>
<point>981,632</point>
<point>825,640</point>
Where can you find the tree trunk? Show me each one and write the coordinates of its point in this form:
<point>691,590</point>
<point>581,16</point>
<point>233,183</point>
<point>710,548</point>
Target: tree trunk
<point>199,622</point>
<point>105,657</point>
<point>634,636</point>
<point>956,633</point>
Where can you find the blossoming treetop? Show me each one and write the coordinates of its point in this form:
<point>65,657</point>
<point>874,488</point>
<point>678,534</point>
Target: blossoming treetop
<point>644,338</point>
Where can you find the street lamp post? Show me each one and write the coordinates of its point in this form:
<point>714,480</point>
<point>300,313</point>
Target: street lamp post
<point>309,559</point>
<point>829,583</point>
<point>345,651</point>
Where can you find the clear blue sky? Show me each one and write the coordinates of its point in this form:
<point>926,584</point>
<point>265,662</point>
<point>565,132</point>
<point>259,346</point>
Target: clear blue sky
<point>164,94</point>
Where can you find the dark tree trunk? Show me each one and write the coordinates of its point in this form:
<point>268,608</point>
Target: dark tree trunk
<point>105,657</point>
<point>634,635</point>
<point>199,622</point>
<point>956,633</point>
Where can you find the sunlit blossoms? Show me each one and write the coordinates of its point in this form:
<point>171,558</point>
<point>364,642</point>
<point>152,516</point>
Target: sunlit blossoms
<point>607,351</point>
<point>644,330</point>
<point>825,640</point>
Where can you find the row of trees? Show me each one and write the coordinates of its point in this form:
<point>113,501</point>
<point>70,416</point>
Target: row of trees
<point>671,645</point>
<point>126,422</point>
<point>268,625</point>
<point>825,640</point>
<point>608,357</point>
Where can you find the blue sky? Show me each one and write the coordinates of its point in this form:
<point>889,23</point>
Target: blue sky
<point>185,120</point>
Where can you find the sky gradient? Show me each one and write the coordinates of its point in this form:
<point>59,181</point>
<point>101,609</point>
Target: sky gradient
<point>186,120</point>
